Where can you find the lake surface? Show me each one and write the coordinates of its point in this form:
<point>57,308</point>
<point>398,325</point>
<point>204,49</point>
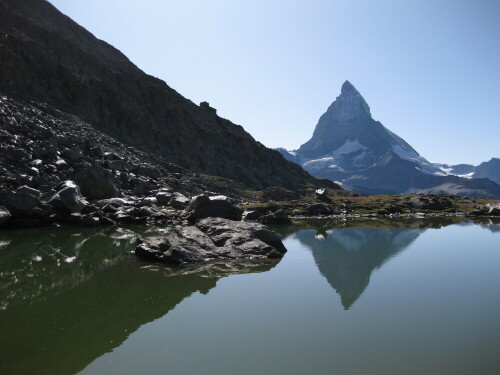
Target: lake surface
<point>413,297</point>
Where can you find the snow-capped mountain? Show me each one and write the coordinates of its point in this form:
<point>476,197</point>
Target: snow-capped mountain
<point>350,147</point>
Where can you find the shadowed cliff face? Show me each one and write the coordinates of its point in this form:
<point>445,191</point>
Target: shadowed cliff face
<point>347,257</point>
<point>57,316</point>
<point>46,57</point>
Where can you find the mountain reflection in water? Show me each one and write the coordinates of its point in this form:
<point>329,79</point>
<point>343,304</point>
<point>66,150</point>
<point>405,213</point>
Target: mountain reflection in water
<point>346,254</point>
<point>347,257</point>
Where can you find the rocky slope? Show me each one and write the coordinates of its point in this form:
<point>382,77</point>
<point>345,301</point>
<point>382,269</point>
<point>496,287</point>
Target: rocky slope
<point>488,169</point>
<point>46,57</point>
<point>56,168</point>
<point>349,146</point>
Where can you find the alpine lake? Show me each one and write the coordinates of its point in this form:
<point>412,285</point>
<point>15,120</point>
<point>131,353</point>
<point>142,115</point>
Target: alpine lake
<point>417,296</point>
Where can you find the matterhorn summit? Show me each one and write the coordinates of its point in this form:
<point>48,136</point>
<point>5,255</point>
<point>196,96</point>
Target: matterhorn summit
<point>349,147</point>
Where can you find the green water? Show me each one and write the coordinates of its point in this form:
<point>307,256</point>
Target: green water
<point>350,298</point>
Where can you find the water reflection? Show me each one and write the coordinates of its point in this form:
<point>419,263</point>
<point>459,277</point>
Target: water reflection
<point>347,257</point>
<point>346,253</point>
<point>58,316</point>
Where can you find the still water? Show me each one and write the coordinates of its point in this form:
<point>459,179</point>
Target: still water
<point>416,297</point>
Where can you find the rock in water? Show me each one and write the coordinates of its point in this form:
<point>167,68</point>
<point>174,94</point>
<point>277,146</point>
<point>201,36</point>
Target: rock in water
<point>213,239</point>
<point>203,206</point>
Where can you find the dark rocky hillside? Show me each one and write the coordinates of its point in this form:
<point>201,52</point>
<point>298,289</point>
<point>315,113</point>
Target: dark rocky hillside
<point>48,58</point>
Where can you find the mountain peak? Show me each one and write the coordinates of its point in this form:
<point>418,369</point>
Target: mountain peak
<point>348,88</point>
<point>350,103</point>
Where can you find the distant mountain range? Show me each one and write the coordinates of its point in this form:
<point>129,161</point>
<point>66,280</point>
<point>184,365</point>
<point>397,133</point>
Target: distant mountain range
<point>349,147</point>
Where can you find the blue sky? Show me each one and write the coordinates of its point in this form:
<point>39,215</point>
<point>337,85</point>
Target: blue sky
<point>429,69</point>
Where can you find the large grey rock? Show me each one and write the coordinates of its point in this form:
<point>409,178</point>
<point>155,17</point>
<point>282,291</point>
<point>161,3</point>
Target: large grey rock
<point>179,201</point>
<point>203,206</point>
<point>23,205</point>
<point>20,203</point>
<point>68,199</point>
<point>96,183</point>
<point>213,239</point>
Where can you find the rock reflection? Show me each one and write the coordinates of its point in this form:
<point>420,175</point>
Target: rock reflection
<point>58,317</point>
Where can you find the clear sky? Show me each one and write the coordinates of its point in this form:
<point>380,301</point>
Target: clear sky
<point>429,69</point>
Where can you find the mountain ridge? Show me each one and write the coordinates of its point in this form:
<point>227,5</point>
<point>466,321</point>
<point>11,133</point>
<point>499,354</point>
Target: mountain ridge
<point>47,57</point>
<point>349,147</point>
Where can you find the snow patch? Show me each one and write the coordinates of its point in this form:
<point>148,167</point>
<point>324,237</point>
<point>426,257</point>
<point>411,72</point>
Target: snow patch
<point>406,153</point>
<point>318,161</point>
<point>349,147</point>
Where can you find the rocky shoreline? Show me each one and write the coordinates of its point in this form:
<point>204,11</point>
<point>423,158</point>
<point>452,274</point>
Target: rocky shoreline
<point>56,169</point>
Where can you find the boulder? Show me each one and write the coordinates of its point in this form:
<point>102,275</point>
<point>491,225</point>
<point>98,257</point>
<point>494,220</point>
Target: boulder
<point>73,154</point>
<point>251,215</point>
<point>278,217</point>
<point>163,198</point>
<point>96,182</point>
<point>147,170</point>
<point>494,211</point>
<point>179,201</point>
<point>68,199</point>
<point>203,206</point>
<point>213,239</point>
<point>143,185</point>
<point>4,216</point>
<point>20,203</point>
<point>25,207</point>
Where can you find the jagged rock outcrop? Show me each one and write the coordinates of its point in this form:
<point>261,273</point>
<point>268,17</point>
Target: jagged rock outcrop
<point>213,239</point>
<point>46,57</point>
<point>350,147</point>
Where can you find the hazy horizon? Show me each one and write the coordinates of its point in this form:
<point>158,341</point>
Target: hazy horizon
<point>428,70</point>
